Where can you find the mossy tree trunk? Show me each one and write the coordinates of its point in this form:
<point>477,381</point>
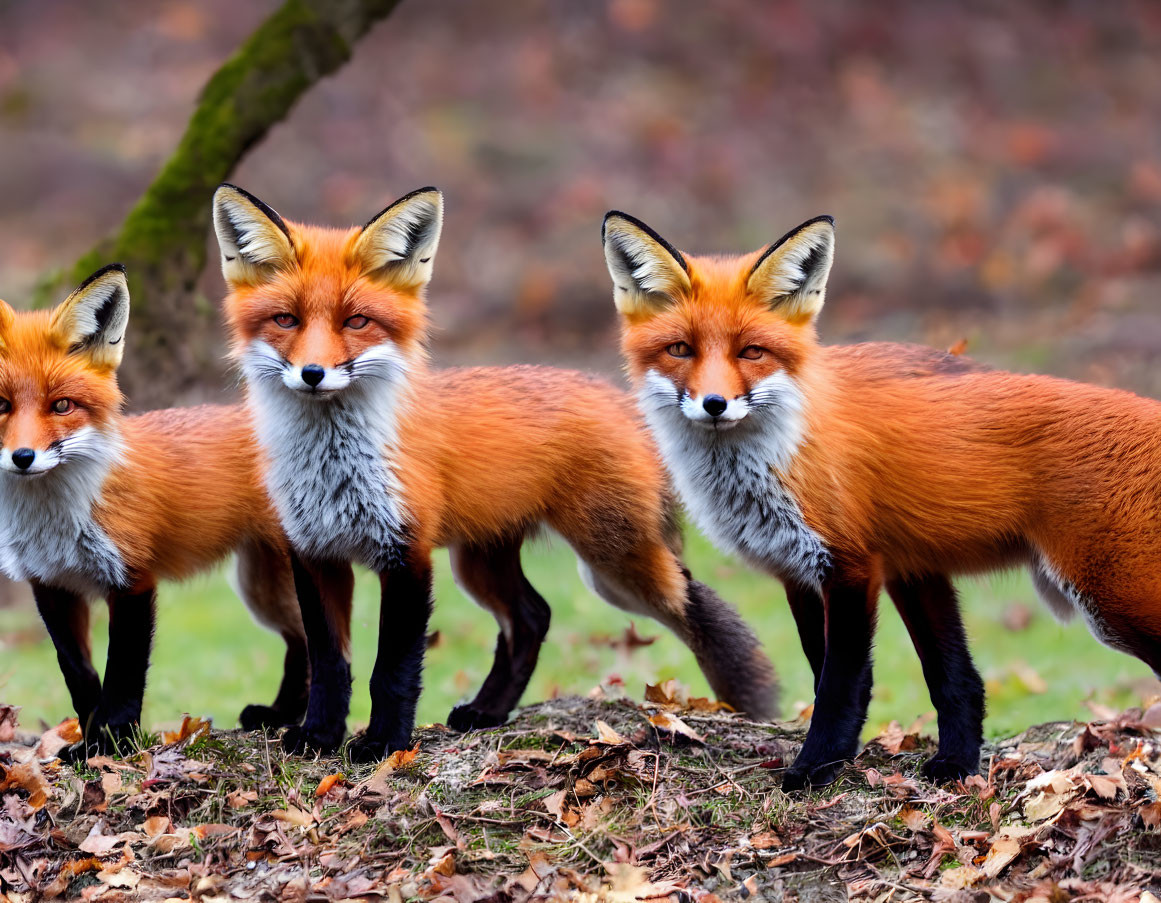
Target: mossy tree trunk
<point>162,241</point>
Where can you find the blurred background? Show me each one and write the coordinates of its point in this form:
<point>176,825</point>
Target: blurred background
<point>994,170</point>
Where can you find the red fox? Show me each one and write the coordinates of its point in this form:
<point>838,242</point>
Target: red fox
<point>97,503</point>
<point>842,469</point>
<point>374,457</point>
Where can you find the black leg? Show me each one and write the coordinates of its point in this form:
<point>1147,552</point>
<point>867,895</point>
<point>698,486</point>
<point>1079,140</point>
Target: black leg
<point>807,607</point>
<point>395,682</point>
<point>132,616</point>
<point>321,589</point>
<point>930,610</point>
<point>289,705</point>
<point>840,707</point>
<point>66,617</point>
<point>497,581</point>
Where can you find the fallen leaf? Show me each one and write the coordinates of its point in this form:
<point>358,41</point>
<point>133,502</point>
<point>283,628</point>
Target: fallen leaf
<point>765,840</point>
<point>1008,844</point>
<point>57,738</point>
<point>28,777</point>
<point>294,816</point>
<point>327,784</point>
<point>666,722</point>
<point>8,715</point>
<point>607,735</point>
<point>190,728</point>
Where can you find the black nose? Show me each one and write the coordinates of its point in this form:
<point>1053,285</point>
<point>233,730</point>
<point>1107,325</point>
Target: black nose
<point>312,374</point>
<point>714,405</point>
<point>23,458</point>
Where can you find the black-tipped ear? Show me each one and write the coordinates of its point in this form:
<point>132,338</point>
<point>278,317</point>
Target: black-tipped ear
<point>791,275</point>
<point>92,320</point>
<point>648,273</point>
<point>398,245</point>
<point>251,235</point>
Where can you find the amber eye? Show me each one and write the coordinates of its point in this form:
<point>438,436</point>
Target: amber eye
<point>752,353</point>
<point>63,406</point>
<point>286,321</point>
<point>358,321</point>
<point>680,349</point>
<point>5,406</point>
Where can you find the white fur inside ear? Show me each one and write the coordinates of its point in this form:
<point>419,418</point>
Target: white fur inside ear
<point>247,235</point>
<point>400,243</point>
<point>792,276</point>
<point>646,275</point>
<point>95,316</point>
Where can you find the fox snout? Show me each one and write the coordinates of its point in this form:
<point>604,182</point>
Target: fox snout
<point>315,379</point>
<point>28,461</point>
<point>715,411</point>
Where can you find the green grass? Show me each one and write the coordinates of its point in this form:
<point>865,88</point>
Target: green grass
<point>210,659</point>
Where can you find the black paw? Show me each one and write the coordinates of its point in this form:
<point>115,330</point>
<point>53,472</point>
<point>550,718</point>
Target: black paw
<point>301,740</point>
<point>264,717</point>
<point>801,777</point>
<point>99,740</point>
<point>944,770</point>
<point>467,717</point>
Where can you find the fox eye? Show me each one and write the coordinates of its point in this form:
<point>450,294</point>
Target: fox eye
<point>286,321</point>
<point>5,406</point>
<point>63,406</point>
<point>356,322</point>
<point>752,353</point>
<point>680,349</point>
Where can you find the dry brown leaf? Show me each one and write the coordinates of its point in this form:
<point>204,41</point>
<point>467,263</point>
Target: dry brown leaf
<point>239,799</point>
<point>667,722</point>
<point>57,738</point>
<point>190,728</point>
<point>1006,846</point>
<point>915,819</point>
<point>608,736</point>
<point>155,825</point>
<point>8,721</point>
<point>327,784</point>
<point>401,758</point>
<point>294,816</point>
<point>765,840</point>
<point>894,740</point>
<point>28,777</point>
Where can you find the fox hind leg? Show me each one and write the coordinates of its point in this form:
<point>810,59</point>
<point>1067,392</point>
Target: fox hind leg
<point>266,584</point>
<point>492,576</point>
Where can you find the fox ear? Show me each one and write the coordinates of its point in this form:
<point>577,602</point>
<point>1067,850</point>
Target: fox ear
<point>791,275</point>
<point>251,235</point>
<point>648,273</point>
<point>398,245</point>
<point>92,320</point>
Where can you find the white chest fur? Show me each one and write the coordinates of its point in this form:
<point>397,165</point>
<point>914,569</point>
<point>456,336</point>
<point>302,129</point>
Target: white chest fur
<point>331,472</point>
<point>47,530</point>
<point>728,480</point>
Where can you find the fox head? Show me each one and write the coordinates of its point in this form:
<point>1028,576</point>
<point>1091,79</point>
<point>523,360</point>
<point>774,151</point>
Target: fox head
<point>59,399</point>
<point>315,311</point>
<point>720,339</point>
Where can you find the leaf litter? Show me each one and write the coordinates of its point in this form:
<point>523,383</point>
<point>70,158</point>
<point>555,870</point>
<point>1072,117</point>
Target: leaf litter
<point>585,799</point>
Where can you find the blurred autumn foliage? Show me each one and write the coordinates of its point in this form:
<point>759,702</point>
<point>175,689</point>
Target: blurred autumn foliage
<point>994,168</point>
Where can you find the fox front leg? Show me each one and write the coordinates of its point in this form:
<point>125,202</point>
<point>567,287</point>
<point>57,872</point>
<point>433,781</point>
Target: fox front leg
<point>326,620</point>
<point>844,689</point>
<point>404,611</point>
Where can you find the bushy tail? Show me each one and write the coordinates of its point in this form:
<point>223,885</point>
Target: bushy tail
<point>729,653</point>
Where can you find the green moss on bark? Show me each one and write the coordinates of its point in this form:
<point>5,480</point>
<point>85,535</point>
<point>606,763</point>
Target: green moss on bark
<point>162,241</point>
